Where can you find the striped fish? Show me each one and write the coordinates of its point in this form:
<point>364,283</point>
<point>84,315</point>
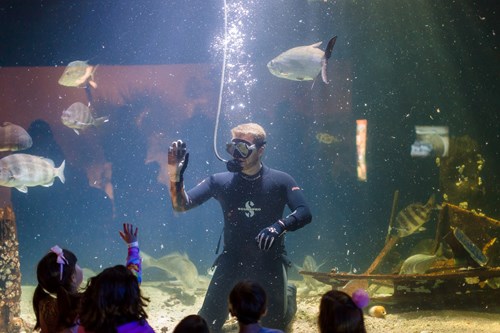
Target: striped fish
<point>23,170</point>
<point>78,74</point>
<point>14,137</point>
<point>79,117</point>
<point>413,217</point>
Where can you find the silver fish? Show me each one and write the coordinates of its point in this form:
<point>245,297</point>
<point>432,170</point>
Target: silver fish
<point>79,117</point>
<point>78,74</point>
<point>303,62</point>
<point>177,265</point>
<point>413,217</point>
<point>418,263</point>
<point>14,137</point>
<point>310,283</point>
<point>310,264</point>
<point>23,170</point>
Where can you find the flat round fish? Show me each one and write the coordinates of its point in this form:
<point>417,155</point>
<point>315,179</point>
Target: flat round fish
<point>23,170</point>
<point>14,137</point>
<point>299,63</point>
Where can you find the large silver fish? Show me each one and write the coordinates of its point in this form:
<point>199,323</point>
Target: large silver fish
<point>178,266</point>
<point>302,63</point>
<point>78,74</point>
<point>79,117</point>
<point>23,170</point>
<point>14,137</point>
<point>418,264</point>
<point>413,217</point>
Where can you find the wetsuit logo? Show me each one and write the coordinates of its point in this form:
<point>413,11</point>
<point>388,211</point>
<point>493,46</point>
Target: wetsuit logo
<point>249,209</point>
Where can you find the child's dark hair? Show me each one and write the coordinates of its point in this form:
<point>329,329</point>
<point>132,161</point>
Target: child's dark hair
<point>192,324</point>
<point>339,314</point>
<point>112,298</point>
<point>55,297</point>
<point>247,302</point>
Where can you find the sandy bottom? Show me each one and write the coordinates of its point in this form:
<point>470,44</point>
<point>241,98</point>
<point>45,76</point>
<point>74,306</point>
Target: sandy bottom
<point>169,305</point>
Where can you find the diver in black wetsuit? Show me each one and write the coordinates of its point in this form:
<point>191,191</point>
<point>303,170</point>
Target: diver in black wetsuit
<point>253,198</point>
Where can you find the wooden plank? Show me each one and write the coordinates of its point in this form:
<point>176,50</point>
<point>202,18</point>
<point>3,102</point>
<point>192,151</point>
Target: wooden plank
<point>476,272</point>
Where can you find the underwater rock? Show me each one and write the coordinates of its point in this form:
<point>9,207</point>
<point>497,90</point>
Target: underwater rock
<point>10,272</point>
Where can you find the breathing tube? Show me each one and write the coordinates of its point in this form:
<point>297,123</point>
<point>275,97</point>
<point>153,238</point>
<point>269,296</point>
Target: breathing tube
<point>231,165</point>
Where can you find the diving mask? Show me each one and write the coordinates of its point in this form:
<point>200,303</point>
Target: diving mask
<point>239,148</point>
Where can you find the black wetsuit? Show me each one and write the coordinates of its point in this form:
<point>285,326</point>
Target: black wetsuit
<point>249,205</point>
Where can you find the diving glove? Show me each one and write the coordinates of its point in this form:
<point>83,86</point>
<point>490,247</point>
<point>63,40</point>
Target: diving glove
<point>266,237</point>
<point>178,159</point>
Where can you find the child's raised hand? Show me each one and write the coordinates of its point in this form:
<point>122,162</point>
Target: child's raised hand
<point>129,233</point>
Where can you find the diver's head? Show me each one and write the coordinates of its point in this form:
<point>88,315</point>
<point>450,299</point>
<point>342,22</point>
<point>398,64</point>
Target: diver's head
<point>246,148</point>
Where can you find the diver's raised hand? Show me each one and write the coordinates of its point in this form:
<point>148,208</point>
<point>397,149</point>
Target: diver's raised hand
<point>178,159</point>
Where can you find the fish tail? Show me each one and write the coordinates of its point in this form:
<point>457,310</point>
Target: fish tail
<point>101,120</point>
<point>60,172</point>
<point>432,201</point>
<point>324,60</point>
<point>329,47</point>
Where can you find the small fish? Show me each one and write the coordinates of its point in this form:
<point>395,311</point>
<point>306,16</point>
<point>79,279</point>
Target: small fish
<point>23,170</point>
<point>418,264</point>
<point>327,139</point>
<point>377,311</point>
<point>413,217</point>
<point>177,265</point>
<point>79,117</point>
<point>14,137</point>
<point>78,74</point>
<point>302,63</point>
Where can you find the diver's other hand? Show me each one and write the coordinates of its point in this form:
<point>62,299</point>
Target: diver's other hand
<point>177,161</point>
<point>267,236</point>
<point>129,234</point>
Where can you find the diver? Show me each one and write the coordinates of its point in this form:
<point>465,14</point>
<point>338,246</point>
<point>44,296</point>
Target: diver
<point>253,199</point>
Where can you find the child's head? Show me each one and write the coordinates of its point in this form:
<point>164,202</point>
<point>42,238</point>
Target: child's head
<point>112,298</point>
<point>339,314</point>
<point>192,324</point>
<point>59,278</point>
<point>247,302</point>
<point>57,269</point>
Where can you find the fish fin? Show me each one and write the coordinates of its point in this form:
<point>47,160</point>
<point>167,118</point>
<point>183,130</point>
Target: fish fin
<point>60,172</point>
<point>432,200</point>
<point>22,188</point>
<point>48,184</point>
<point>326,56</point>
<point>76,131</point>
<point>101,120</point>
<point>316,44</point>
